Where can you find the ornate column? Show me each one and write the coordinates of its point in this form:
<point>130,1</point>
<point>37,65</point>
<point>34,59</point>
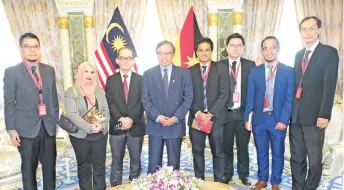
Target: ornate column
<point>65,50</point>
<point>212,23</point>
<point>89,35</point>
<point>237,20</point>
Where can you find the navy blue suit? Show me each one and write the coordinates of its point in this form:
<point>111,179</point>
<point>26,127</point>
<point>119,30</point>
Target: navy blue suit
<point>155,103</point>
<point>264,131</point>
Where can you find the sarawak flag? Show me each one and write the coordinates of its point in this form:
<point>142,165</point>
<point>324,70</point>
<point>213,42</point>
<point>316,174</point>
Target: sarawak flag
<point>116,37</point>
<point>185,43</point>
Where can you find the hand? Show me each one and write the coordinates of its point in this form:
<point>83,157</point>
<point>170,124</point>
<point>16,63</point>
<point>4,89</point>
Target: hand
<point>322,123</point>
<point>280,126</point>
<point>164,120</point>
<point>126,123</point>
<point>172,120</point>
<point>204,118</point>
<point>96,128</point>
<point>248,126</point>
<point>15,139</point>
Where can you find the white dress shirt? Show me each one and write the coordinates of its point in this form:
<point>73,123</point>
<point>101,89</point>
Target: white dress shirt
<point>238,81</point>
<point>128,78</point>
<point>267,75</point>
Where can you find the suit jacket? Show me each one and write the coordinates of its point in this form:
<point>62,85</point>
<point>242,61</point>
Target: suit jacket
<point>283,94</point>
<point>21,98</point>
<point>245,68</point>
<point>318,85</point>
<point>119,108</point>
<point>177,103</point>
<point>76,108</point>
<point>217,91</point>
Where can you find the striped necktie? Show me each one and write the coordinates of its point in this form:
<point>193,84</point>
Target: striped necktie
<point>205,88</point>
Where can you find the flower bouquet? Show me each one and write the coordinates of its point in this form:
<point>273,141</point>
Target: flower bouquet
<point>167,179</point>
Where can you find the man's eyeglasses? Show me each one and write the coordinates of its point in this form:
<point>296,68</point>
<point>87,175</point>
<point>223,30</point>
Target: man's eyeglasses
<point>125,58</point>
<point>272,48</point>
<point>311,29</point>
<point>164,53</point>
<point>35,47</point>
<point>239,46</point>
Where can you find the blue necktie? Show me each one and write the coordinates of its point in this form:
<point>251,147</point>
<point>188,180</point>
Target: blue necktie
<point>165,79</point>
<point>205,87</point>
<point>270,88</point>
<point>306,57</point>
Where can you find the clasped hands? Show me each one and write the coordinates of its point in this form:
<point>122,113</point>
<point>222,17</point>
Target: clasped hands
<point>204,117</point>
<point>126,122</point>
<point>167,121</point>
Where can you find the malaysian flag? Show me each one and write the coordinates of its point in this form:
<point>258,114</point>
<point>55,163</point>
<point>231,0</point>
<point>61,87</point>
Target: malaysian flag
<point>116,37</point>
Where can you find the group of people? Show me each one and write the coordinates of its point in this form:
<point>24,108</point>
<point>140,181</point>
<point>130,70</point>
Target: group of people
<point>234,95</point>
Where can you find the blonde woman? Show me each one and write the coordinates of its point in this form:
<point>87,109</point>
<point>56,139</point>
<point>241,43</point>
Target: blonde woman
<point>89,143</point>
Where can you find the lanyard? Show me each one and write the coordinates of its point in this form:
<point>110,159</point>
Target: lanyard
<point>88,98</point>
<point>235,75</point>
<point>304,67</point>
<point>205,76</point>
<point>273,73</point>
<point>37,83</point>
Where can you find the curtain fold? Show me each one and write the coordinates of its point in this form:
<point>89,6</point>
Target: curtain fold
<point>330,13</point>
<point>40,18</point>
<point>261,18</point>
<point>172,14</point>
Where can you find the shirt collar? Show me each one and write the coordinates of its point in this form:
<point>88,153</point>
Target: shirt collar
<point>207,64</point>
<point>274,64</point>
<point>312,48</point>
<point>129,74</point>
<point>232,60</point>
<point>168,67</point>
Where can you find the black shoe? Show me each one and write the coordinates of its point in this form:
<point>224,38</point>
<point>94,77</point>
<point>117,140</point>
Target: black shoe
<point>226,179</point>
<point>246,181</point>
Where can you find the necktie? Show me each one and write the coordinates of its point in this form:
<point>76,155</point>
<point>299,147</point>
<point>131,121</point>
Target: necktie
<point>205,87</point>
<point>33,70</point>
<point>306,57</point>
<point>165,79</point>
<point>125,88</point>
<point>232,82</point>
<point>270,89</point>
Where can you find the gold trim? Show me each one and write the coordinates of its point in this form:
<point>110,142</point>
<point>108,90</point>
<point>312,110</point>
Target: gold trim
<point>237,18</point>
<point>63,22</point>
<point>73,3</point>
<point>212,19</point>
<point>89,21</point>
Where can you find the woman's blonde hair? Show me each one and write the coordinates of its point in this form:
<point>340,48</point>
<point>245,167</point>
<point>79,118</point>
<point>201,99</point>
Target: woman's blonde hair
<point>80,72</point>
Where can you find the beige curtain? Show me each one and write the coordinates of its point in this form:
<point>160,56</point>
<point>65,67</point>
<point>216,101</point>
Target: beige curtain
<point>133,13</point>
<point>172,14</point>
<point>40,18</point>
<point>261,18</point>
<point>331,14</point>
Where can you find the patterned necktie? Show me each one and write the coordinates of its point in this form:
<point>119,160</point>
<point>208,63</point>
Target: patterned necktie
<point>205,87</point>
<point>232,82</point>
<point>125,88</point>
<point>306,57</point>
<point>33,70</point>
<point>165,79</point>
<point>270,88</point>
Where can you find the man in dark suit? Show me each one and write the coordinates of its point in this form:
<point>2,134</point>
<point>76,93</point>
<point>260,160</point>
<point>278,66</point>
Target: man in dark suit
<point>210,89</point>
<point>270,97</point>
<point>32,113</point>
<point>166,96</point>
<point>123,92</point>
<point>238,69</point>
<point>316,68</point>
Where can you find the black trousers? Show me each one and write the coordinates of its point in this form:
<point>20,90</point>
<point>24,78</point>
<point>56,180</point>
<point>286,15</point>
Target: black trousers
<point>236,128</point>
<point>42,148</point>
<point>118,144</point>
<point>90,156</point>
<point>198,139</point>
<point>306,141</point>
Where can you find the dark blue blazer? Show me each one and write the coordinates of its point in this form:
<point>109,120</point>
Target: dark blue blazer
<point>283,94</point>
<point>155,102</point>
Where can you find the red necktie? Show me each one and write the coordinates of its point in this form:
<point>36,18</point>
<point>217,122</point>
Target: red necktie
<point>125,87</point>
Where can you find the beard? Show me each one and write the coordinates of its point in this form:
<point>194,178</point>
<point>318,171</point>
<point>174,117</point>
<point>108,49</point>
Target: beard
<point>32,60</point>
<point>270,60</point>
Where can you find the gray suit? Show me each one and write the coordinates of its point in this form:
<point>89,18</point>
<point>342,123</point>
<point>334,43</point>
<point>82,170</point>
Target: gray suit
<point>76,107</point>
<point>37,133</point>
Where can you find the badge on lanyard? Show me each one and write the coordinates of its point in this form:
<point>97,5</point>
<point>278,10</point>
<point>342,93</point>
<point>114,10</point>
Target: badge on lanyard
<point>266,102</point>
<point>42,109</point>
<point>298,92</point>
<point>236,97</point>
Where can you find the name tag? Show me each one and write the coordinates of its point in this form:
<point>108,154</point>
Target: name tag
<point>298,92</point>
<point>42,110</point>
<point>236,97</point>
<point>266,102</point>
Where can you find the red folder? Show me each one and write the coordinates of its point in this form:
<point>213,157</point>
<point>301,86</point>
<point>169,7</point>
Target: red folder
<point>197,124</point>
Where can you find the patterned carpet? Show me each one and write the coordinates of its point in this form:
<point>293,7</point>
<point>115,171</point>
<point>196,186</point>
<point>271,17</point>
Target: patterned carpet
<point>63,183</point>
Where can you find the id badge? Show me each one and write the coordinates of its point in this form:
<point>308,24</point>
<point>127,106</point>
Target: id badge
<point>266,102</point>
<point>235,97</point>
<point>42,110</point>
<point>298,92</point>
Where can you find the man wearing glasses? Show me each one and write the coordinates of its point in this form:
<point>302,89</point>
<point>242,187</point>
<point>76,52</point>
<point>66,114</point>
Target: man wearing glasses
<point>238,69</point>
<point>127,124</point>
<point>32,113</point>
<point>167,95</point>
<point>270,98</point>
<point>316,68</point>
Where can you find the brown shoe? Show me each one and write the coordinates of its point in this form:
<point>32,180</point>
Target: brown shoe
<point>275,187</point>
<point>260,185</point>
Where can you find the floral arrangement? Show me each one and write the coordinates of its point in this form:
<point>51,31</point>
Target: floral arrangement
<point>167,179</point>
